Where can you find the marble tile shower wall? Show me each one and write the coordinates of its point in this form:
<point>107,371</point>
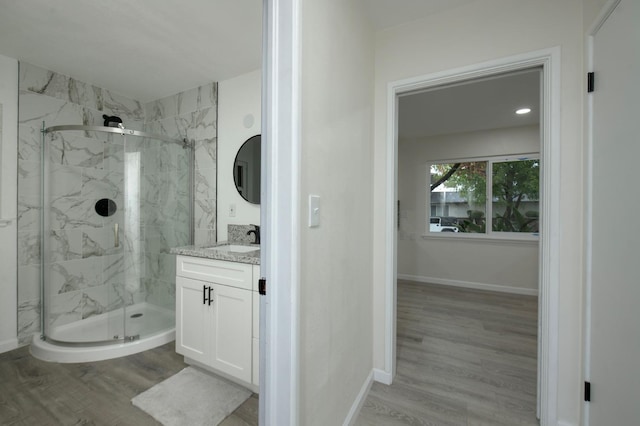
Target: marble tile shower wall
<point>191,114</point>
<point>84,265</point>
<point>88,274</point>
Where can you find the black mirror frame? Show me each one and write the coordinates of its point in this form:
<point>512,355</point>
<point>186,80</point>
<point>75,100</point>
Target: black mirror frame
<point>252,139</point>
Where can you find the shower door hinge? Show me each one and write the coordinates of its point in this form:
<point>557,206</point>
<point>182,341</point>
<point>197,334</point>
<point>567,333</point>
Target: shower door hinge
<point>587,391</point>
<point>262,286</point>
<point>590,82</point>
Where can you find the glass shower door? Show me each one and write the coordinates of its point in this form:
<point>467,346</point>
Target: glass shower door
<point>113,206</point>
<point>130,286</point>
<point>82,260</point>
<point>157,218</point>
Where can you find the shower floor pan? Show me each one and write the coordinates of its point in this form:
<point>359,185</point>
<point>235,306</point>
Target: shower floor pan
<point>148,326</point>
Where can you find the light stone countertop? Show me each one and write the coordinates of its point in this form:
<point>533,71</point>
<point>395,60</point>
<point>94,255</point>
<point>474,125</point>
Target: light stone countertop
<point>251,257</point>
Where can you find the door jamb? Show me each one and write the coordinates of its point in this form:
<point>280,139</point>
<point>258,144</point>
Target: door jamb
<point>549,278</point>
<point>280,183</point>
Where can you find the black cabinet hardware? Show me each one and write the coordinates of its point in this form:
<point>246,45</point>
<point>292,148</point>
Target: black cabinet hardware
<point>206,295</point>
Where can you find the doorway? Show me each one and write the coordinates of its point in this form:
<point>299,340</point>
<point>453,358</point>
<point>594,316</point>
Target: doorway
<point>547,60</point>
<point>468,190</point>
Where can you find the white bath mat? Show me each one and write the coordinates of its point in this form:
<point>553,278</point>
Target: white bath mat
<point>191,397</point>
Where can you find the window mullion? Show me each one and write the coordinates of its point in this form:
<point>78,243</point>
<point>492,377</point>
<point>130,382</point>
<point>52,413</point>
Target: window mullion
<point>489,198</point>
<point>428,200</point>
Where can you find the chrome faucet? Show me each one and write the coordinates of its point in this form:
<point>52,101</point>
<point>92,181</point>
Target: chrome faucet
<point>256,233</point>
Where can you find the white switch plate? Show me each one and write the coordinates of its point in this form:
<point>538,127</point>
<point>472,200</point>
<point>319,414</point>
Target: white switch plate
<point>232,210</point>
<point>314,211</point>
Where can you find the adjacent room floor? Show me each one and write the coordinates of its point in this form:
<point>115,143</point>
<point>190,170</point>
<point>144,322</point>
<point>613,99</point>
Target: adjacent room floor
<point>464,357</point>
<point>34,392</point>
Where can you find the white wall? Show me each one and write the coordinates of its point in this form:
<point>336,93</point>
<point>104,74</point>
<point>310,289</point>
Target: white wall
<point>336,258</point>
<point>239,118</point>
<point>591,9</point>
<point>476,32</point>
<point>499,265</point>
<point>483,143</point>
<point>8,209</point>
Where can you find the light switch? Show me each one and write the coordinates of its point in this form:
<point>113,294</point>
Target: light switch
<point>232,210</point>
<point>314,211</point>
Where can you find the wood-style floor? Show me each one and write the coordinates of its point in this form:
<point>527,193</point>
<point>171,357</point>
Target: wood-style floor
<point>464,357</point>
<point>33,392</point>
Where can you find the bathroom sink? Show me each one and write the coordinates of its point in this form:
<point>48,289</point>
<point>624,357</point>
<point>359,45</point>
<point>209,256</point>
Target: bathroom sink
<point>236,248</point>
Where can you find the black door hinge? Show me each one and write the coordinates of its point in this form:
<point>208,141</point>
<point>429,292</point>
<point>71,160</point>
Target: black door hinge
<point>587,391</point>
<point>590,82</point>
<point>262,286</point>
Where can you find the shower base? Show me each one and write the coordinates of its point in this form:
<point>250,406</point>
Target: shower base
<point>148,326</point>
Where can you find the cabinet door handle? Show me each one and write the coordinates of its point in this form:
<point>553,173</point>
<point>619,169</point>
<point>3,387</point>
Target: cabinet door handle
<point>206,295</point>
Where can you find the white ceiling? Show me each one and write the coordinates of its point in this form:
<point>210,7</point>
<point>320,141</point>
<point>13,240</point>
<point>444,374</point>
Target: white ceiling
<point>475,105</point>
<point>145,49</point>
<point>149,49</point>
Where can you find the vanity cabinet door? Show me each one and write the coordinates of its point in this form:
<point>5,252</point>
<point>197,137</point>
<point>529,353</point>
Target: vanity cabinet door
<point>232,324</point>
<point>193,320</point>
<point>214,315</point>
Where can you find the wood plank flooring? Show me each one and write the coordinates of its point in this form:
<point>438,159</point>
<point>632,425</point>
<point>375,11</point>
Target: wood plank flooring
<point>33,392</point>
<point>464,357</point>
<point>245,415</point>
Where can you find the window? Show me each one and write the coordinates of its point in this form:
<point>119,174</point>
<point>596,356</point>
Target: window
<point>494,196</point>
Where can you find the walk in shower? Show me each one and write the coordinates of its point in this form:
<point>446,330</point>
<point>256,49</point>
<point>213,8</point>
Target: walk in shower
<point>114,202</point>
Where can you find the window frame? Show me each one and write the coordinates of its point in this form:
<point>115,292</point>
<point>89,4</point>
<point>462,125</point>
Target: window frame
<point>489,233</point>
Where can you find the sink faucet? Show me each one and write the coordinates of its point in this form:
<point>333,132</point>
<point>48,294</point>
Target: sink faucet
<point>256,233</point>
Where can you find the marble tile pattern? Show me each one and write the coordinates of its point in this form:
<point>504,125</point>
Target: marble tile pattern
<point>89,274</point>
<point>40,81</point>
<point>193,114</point>
<point>81,170</point>
<point>239,233</point>
<point>190,115</point>
<point>206,251</point>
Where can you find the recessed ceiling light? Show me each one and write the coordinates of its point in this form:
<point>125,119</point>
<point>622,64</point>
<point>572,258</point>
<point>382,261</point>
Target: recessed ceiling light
<point>523,111</point>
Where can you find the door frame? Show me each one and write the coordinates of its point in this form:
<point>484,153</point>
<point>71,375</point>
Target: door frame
<point>606,11</point>
<point>549,277</point>
<point>280,213</point>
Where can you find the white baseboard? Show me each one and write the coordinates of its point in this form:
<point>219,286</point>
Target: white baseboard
<point>382,376</point>
<point>359,401</point>
<point>470,284</point>
<point>8,345</point>
<point>563,423</point>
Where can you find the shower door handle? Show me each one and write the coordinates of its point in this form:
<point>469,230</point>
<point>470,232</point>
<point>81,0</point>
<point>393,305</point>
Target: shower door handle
<point>116,235</point>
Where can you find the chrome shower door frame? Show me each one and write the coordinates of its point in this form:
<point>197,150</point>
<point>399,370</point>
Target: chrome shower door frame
<point>119,239</point>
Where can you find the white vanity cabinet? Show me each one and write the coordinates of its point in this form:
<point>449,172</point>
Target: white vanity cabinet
<point>216,315</point>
